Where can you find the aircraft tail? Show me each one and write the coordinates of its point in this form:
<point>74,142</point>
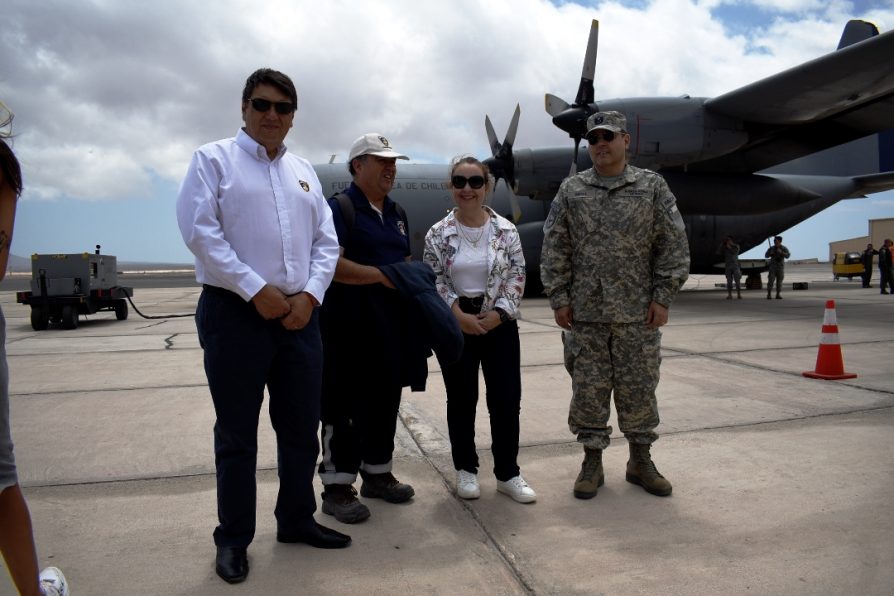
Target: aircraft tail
<point>856,31</point>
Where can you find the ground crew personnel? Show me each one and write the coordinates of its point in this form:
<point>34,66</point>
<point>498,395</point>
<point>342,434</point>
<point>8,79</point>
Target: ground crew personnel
<point>777,254</point>
<point>614,256</point>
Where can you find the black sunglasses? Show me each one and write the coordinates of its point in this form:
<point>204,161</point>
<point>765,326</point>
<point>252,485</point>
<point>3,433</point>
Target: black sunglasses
<point>281,107</point>
<point>475,182</point>
<point>608,135</point>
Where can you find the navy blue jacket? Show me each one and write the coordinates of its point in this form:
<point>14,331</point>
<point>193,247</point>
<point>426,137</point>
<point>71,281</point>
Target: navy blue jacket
<point>432,326</point>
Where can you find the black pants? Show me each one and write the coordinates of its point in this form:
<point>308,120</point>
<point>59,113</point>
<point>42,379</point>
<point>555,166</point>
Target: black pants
<point>498,354</point>
<point>243,354</point>
<point>887,281</point>
<point>359,422</point>
<point>867,275</point>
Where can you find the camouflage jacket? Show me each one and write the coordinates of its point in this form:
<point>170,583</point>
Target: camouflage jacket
<point>611,249</point>
<point>776,256</point>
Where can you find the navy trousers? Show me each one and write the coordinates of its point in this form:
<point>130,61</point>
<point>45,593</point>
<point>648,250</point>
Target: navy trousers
<point>499,356</point>
<point>244,354</point>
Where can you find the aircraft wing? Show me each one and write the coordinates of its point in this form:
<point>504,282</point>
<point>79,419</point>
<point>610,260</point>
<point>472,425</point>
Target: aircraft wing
<point>844,95</point>
<point>872,183</point>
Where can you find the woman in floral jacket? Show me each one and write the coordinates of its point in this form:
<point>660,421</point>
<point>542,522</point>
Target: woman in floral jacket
<point>477,258</point>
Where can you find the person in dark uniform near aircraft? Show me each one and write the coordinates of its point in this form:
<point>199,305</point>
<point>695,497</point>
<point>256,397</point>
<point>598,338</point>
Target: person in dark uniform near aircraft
<point>886,272</point>
<point>776,255</point>
<point>362,318</point>
<point>614,256</point>
<point>730,251</point>
<point>867,259</point>
<point>480,268</point>
<point>255,218</point>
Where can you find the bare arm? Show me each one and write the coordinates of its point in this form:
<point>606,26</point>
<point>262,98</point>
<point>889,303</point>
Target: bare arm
<point>7,221</point>
<point>352,273</point>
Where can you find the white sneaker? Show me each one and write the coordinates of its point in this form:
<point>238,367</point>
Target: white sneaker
<point>53,583</point>
<point>467,485</point>
<point>518,489</point>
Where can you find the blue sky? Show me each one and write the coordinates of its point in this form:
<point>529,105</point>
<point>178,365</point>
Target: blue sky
<point>112,98</point>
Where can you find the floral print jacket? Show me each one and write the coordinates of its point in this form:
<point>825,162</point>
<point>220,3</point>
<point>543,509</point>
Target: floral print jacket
<point>506,277</point>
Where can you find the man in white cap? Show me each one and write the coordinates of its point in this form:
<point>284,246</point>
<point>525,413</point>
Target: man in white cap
<point>363,374</point>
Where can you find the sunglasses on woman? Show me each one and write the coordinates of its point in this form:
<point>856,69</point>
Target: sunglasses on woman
<point>281,107</point>
<point>459,182</point>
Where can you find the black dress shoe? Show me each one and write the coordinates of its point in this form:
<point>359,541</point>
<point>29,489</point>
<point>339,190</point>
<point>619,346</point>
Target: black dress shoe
<point>232,563</point>
<point>318,537</point>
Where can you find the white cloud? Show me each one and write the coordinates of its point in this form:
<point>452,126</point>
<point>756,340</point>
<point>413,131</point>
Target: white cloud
<point>109,95</point>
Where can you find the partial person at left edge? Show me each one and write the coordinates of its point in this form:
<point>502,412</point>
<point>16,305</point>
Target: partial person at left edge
<point>16,534</point>
<point>255,218</point>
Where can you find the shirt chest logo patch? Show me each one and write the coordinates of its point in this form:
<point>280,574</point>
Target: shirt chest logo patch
<point>304,185</point>
<point>402,228</point>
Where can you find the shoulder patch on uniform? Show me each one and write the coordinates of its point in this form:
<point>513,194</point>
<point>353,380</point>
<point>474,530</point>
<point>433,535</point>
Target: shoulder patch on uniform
<point>669,204</point>
<point>551,218</point>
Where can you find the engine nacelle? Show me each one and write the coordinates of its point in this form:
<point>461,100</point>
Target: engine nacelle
<point>673,131</point>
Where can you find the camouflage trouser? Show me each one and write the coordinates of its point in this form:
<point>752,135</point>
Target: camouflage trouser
<point>603,358</point>
<point>775,273</point>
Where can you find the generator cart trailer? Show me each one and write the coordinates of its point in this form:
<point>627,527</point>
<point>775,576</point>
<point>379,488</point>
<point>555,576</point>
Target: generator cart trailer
<point>65,286</point>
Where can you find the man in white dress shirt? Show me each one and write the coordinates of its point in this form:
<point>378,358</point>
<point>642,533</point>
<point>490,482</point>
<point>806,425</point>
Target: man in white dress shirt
<point>256,220</point>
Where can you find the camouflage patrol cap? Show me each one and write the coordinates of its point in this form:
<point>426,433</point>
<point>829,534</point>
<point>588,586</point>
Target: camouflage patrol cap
<point>613,121</point>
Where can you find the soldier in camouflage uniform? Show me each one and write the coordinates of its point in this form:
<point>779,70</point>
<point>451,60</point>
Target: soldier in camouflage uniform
<point>776,256</point>
<point>614,256</point>
<point>730,251</point>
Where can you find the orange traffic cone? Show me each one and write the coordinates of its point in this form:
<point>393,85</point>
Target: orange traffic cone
<point>829,363</point>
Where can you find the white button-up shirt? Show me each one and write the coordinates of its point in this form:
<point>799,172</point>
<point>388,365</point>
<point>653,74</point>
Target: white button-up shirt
<point>252,221</point>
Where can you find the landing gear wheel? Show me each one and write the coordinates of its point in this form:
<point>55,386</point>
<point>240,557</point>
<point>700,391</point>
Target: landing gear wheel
<point>121,310</point>
<point>69,317</point>
<point>40,318</point>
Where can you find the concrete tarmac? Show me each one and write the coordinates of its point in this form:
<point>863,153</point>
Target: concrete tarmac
<point>782,484</point>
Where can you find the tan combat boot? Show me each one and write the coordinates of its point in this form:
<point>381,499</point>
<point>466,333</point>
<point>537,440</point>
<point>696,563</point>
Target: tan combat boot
<point>641,470</point>
<point>591,475</point>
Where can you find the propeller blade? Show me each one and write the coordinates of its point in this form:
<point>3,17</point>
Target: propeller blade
<point>585,92</point>
<point>555,105</point>
<point>502,162</point>
<point>509,140</point>
<point>513,203</point>
<point>491,137</point>
<point>573,118</point>
<point>574,157</point>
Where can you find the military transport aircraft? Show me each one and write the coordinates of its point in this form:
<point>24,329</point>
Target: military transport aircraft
<point>750,163</point>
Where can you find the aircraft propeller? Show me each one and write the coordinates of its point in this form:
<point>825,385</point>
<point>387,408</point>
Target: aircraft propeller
<point>573,118</point>
<point>502,164</point>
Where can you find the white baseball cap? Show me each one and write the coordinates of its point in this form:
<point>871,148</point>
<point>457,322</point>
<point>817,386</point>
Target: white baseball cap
<point>373,144</point>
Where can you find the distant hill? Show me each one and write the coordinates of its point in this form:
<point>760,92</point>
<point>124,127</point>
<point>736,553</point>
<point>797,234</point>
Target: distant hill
<point>19,264</point>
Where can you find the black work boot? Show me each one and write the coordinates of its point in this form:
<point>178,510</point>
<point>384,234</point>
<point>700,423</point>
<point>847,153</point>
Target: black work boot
<point>641,470</point>
<point>768,295</point>
<point>778,296</point>
<point>591,475</point>
<point>385,486</point>
<point>729,294</point>
<point>340,501</point>
<point>739,292</point>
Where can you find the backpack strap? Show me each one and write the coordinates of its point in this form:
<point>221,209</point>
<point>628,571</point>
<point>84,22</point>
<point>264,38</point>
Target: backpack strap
<point>347,210</point>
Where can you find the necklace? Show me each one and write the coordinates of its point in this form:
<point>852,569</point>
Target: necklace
<point>467,234</point>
